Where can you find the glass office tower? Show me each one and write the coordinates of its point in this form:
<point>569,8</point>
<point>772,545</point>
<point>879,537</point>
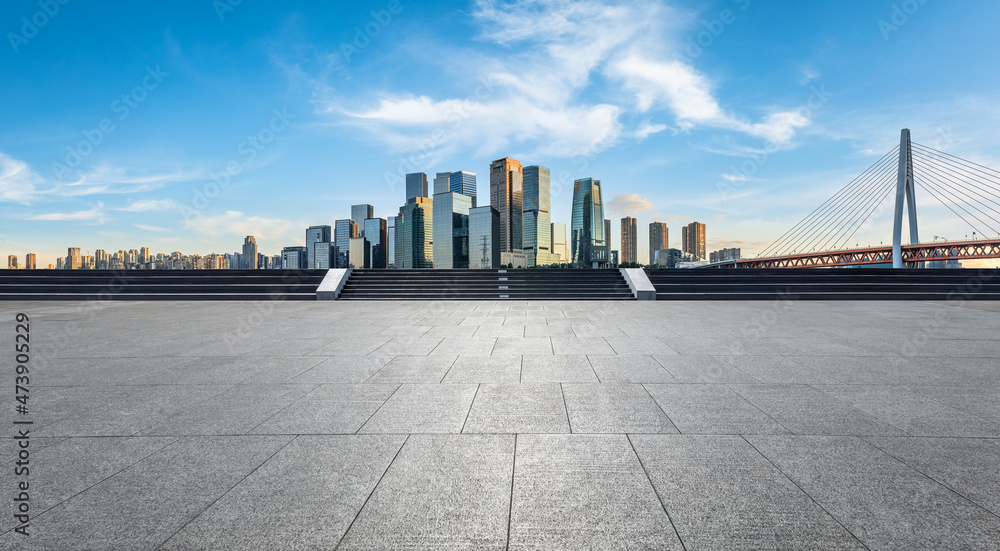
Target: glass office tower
<point>376,231</point>
<point>463,182</point>
<point>451,230</point>
<point>484,247</point>
<point>588,246</point>
<point>316,234</point>
<point>414,234</point>
<point>630,241</point>
<point>442,183</point>
<point>416,186</point>
<point>506,195</point>
<point>536,221</point>
<point>344,230</point>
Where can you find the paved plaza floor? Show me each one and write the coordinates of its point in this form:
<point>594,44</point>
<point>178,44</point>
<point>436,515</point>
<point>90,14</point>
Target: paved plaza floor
<point>506,425</point>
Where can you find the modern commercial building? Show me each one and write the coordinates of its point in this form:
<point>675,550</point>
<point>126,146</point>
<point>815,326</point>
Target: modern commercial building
<point>484,245</point>
<point>414,234</point>
<point>442,183</point>
<point>12,262</point>
<point>344,230</point>
<point>316,234</point>
<point>451,230</point>
<point>249,253</point>
<point>376,233</point>
<point>559,243</point>
<point>390,242</point>
<point>358,256</point>
<point>463,182</point>
<point>506,195</point>
<point>658,240</point>
<point>416,186</point>
<point>587,232</point>
<point>360,213</point>
<point>325,255</point>
<point>693,240</point>
<point>30,261</point>
<point>630,241</point>
<point>724,255</point>
<point>536,219</point>
<point>294,258</point>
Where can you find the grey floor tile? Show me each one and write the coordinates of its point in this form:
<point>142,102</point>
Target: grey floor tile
<point>584,492</point>
<point>329,409</point>
<point>414,369</point>
<point>314,477</point>
<point>722,494</point>
<point>344,369</point>
<point>632,368</point>
<point>507,346</point>
<point>465,346</point>
<point>236,411</point>
<point>781,369</point>
<point>639,345</point>
<point>560,368</point>
<point>614,407</point>
<point>699,346</point>
<point>576,345</point>
<point>518,408</point>
<point>423,408</point>
<point>883,502</point>
<point>410,346</point>
<point>805,410</point>
<point>485,369</point>
<point>712,409</point>
<point>703,369</point>
<point>441,492</point>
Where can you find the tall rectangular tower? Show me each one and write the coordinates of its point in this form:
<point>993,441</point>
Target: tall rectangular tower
<point>536,217</point>
<point>416,185</point>
<point>360,213</point>
<point>658,240</point>
<point>442,183</point>
<point>559,243</point>
<point>30,261</point>
<point>376,234</point>
<point>693,240</point>
<point>344,231</point>
<point>451,230</point>
<point>463,182</point>
<point>316,234</point>
<point>250,253</point>
<point>630,248</point>
<point>506,195</point>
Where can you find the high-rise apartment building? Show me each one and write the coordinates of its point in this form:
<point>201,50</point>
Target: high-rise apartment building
<point>506,195</point>
<point>559,243</point>
<point>30,261</point>
<point>536,219</point>
<point>390,241</point>
<point>360,213</point>
<point>451,230</point>
<point>250,253</point>
<point>588,247</point>
<point>630,241</point>
<point>607,233</point>
<point>414,234</point>
<point>73,260</point>
<point>693,240</point>
<point>416,186</point>
<point>442,183</point>
<point>316,234</point>
<point>484,245</point>
<point>463,182</point>
<point>658,240</point>
<point>376,234</point>
<point>12,262</point>
<point>344,230</point>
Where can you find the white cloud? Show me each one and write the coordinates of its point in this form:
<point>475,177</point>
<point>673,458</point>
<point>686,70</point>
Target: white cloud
<point>95,214</point>
<point>545,64</point>
<point>147,205</point>
<point>239,224</point>
<point>147,227</point>
<point>629,204</point>
<point>18,183</point>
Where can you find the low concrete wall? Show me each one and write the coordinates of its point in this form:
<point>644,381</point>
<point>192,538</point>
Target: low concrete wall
<point>333,284</point>
<point>641,287</point>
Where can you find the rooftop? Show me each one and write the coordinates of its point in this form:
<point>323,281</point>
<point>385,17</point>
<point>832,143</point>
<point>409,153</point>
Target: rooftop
<point>509,425</point>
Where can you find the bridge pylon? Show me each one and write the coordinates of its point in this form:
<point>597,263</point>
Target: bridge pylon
<point>904,193</point>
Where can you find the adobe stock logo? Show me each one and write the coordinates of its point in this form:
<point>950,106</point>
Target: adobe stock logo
<point>363,36</point>
<point>31,26</point>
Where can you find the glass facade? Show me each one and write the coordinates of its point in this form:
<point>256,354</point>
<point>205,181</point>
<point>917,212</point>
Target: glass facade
<point>587,244</point>
<point>536,222</point>
<point>324,255</point>
<point>316,234</point>
<point>414,234</point>
<point>506,195</point>
<point>293,258</point>
<point>360,213</point>
<point>559,243</point>
<point>375,232</point>
<point>416,186</point>
<point>484,247</point>
<point>463,182</point>
<point>359,253</point>
<point>344,230</point>
<point>390,242</point>
<point>451,230</point>
<point>442,183</point>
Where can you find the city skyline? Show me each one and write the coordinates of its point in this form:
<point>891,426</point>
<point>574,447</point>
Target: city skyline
<point>722,112</point>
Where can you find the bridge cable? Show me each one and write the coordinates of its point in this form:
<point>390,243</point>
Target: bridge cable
<point>988,171</point>
<point>839,241</point>
<point>931,189</point>
<point>888,193</point>
<point>968,196</point>
<point>855,214</point>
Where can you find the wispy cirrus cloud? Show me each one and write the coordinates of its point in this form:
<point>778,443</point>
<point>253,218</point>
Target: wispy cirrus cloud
<point>545,63</point>
<point>95,215</point>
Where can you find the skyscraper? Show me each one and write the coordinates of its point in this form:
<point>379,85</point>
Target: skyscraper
<point>294,258</point>
<point>463,182</point>
<point>359,253</point>
<point>630,245</point>
<point>451,230</point>
<point>376,231</point>
<point>536,218</point>
<point>484,228</point>
<point>693,240</point>
<point>658,239</point>
<point>316,234</point>
<point>360,213</point>
<point>12,262</point>
<point>607,233</point>
<point>506,190</point>
<point>416,186</point>
<point>144,255</point>
<point>30,261</point>
<point>73,259</point>
<point>414,233</point>
<point>325,255</point>
<point>344,230</point>
<point>587,243</point>
<point>442,183</point>
<point>390,241</point>
<point>559,242</point>
<point>249,253</point>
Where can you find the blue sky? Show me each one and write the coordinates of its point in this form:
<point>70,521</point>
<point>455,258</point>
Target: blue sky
<point>118,121</point>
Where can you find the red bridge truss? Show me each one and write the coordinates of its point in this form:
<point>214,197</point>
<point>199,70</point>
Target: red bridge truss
<point>954,250</point>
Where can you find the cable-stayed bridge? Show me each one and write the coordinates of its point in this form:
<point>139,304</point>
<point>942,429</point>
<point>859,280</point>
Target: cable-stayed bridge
<point>822,239</point>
